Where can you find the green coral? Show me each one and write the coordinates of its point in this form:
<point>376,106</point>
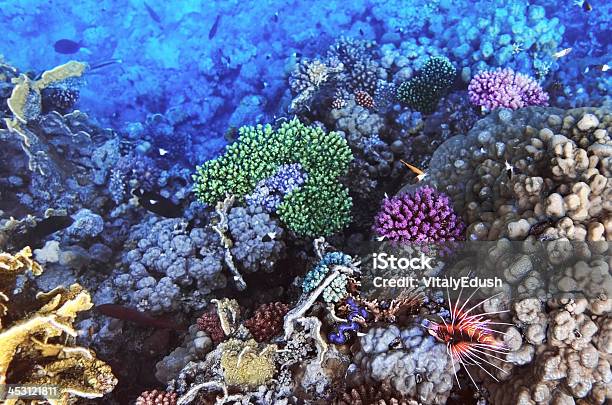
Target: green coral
<point>320,207</point>
<point>338,287</point>
<point>424,90</point>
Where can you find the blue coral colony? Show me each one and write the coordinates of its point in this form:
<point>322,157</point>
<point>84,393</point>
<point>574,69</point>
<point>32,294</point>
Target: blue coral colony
<point>191,192</point>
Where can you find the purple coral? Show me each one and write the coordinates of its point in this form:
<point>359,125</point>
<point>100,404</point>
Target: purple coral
<point>423,217</point>
<point>269,192</point>
<point>131,171</point>
<point>505,88</point>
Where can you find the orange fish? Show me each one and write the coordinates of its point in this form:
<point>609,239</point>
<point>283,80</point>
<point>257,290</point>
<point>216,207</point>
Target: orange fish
<point>420,173</point>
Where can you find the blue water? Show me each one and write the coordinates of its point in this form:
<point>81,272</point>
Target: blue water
<point>239,76</point>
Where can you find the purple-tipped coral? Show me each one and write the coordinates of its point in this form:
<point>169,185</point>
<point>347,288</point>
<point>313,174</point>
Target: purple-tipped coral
<point>269,193</point>
<point>505,88</point>
<point>423,217</point>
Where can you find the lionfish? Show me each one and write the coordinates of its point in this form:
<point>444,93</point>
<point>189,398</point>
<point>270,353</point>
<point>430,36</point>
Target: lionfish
<point>469,338</point>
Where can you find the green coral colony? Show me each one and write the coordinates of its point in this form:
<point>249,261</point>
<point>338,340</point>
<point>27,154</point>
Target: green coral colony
<point>320,207</point>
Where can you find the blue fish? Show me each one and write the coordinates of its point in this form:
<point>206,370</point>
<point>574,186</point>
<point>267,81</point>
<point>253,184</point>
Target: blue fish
<point>215,26</point>
<point>67,46</point>
<point>152,13</point>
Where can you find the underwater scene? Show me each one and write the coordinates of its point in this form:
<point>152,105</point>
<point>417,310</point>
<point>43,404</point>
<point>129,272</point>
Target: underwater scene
<point>295,202</point>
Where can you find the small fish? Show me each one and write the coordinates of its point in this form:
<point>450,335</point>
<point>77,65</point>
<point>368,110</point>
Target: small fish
<point>67,46</point>
<point>361,32</point>
<point>562,53</point>
<point>275,17</point>
<point>509,169</point>
<point>152,13</point>
<point>133,315</point>
<point>157,204</point>
<point>602,68</point>
<point>396,344</point>
<point>584,5</point>
<point>162,152</point>
<point>270,236</point>
<point>380,238</point>
<point>215,26</point>
<point>103,64</point>
<point>420,173</point>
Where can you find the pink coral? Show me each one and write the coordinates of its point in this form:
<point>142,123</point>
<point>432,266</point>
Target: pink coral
<point>424,216</point>
<point>505,88</point>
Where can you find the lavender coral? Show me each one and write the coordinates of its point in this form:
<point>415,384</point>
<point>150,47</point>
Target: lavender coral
<point>269,192</point>
<point>505,88</point>
<point>423,217</point>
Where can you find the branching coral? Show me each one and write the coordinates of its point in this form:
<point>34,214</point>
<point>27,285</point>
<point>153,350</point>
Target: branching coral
<point>423,217</point>
<point>36,349</point>
<point>505,88</point>
<point>424,90</point>
<point>321,206</point>
<point>156,397</point>
<point>309,77</point>
<point>267,321</point>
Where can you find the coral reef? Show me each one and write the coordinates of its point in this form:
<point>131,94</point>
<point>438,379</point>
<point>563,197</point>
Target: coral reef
<point>218,287</point>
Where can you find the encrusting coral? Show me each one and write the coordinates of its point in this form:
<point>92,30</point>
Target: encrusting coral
<point>26,99</point>
<point>38,349</point>
<point>246,363</point>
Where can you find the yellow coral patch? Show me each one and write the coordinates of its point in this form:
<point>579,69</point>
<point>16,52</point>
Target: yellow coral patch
<point>247,364</point>
<point>62,72</point>
<point>25,100</point>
